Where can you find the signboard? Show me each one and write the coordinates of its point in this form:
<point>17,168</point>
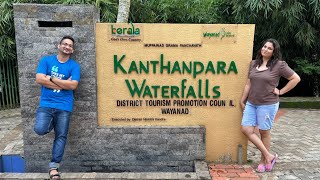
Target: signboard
<point>175,75</point>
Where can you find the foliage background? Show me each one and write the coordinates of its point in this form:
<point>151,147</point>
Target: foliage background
<point>295,23</point>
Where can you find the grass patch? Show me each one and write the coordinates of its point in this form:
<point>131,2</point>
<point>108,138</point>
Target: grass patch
<point>300,102</point>
<point>249,161</point>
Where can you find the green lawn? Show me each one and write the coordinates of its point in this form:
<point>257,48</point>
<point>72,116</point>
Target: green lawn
<point>300,102</point>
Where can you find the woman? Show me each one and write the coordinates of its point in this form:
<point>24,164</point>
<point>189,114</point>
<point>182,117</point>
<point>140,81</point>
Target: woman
<point>260,99</point>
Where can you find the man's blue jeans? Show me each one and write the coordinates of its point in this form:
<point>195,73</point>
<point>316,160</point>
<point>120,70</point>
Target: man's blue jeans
<point>48,119</point>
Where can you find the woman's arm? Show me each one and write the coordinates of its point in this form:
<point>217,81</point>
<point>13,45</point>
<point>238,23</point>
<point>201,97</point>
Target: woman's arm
<point>293,81</point>
<point>245,94</point>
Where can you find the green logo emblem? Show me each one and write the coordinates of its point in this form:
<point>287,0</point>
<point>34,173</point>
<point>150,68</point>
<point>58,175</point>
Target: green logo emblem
<point>125,31</point>
<point>220,34</point>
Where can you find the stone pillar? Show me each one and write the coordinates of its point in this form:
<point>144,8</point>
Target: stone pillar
<point>32,43</point>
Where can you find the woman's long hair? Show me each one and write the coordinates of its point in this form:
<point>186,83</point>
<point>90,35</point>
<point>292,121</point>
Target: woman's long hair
<point>276,56</point>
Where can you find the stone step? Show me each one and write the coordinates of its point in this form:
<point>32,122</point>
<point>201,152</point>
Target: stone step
<point>111,176</point>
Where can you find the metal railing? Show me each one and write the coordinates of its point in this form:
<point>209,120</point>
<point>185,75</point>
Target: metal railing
<point>9,87</point>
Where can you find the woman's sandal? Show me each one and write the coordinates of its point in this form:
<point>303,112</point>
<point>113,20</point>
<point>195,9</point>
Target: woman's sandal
<point>55,175</point>
<point>261,168</point>
<point>269,167</point>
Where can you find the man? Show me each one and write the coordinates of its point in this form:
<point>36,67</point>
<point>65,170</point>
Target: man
<point>59,75</point>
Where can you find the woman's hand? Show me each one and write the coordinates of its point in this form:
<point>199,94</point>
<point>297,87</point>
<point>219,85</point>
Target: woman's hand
<point>243,105</point>
<point>277,91</point>
<point>245,94</point>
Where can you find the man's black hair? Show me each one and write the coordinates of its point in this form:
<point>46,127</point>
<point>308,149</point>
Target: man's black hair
<point>67,37</point>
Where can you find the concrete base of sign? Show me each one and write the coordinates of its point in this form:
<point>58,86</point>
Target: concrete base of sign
<point>126,149</point>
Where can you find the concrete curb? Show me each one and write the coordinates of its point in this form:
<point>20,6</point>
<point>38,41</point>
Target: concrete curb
<point>201,172</point>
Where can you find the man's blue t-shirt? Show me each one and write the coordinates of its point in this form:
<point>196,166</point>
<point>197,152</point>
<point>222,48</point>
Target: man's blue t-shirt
<point>52,98</point>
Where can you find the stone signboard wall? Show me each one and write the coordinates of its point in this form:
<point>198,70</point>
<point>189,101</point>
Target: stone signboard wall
<point>176,75</point>
<point>90,148</point>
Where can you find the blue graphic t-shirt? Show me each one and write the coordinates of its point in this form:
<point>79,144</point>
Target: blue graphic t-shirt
<point>53,98</point>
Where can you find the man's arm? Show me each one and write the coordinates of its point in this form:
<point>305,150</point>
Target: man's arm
<point>68,84</point>
<point>44,80</point>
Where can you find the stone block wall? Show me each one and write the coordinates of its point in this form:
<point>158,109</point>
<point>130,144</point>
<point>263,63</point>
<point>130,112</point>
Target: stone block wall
<point>90,148</point>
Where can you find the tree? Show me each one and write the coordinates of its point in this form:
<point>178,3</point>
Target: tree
<point>7,42</point>
<point>296,25</point>
<point>107,8</point>
<point>179,11</point>
<point>123,11</point>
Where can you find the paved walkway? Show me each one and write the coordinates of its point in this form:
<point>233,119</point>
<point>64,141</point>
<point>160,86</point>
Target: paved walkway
<point>295,138</point>
<point>11,132</point>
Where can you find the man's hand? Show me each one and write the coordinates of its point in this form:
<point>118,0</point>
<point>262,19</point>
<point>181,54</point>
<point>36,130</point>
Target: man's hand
<point>44,80</point>
<point>68,84</point>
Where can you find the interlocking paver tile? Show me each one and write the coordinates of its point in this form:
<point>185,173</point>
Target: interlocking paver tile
<point>249,175</point>
<point>249,169</point>
<point>231,171</point>
<point>245,178</point>
<point>294,138</point>
<point>222,166</point>
<point>236,171</point>
<point>221,178</point>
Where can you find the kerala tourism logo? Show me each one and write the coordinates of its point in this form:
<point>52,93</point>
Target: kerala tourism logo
<point>220,34</point>
<point>125,31</point>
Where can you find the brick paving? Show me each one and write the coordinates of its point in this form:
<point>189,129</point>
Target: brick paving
<point>220,171</point>
<point>295,138</point>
